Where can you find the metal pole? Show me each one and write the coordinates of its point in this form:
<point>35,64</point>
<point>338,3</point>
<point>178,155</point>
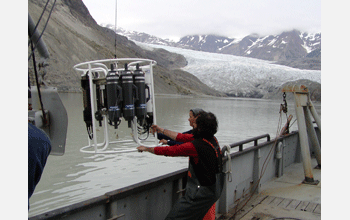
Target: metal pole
<point>256,171</point>
<point>312,134</point>
<point>314,114</point>
<point>304,143</point>
<point>92,97</point>
<point>279,158</point>
<point>106,136</point>
<point>153,101</point>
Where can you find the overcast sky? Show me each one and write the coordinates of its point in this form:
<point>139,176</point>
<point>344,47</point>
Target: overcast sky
<point>230,18</point>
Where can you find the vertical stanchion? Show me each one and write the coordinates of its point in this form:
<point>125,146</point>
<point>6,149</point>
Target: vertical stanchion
<point>314,114</point>
<point>304,143</point>
<point>313,137</point>
<point>153,102</point>
<point>302,103</point>
<point>92,107</point>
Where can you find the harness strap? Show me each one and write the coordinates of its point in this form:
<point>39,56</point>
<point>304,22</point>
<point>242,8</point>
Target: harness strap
<point>216,152</point>
<point>213,146</point>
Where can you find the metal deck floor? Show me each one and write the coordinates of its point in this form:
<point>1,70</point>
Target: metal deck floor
<point>284,198</point>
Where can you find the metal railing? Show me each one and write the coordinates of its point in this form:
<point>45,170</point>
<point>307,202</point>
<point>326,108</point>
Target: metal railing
<point>255,139</point>
<point>161,192</point>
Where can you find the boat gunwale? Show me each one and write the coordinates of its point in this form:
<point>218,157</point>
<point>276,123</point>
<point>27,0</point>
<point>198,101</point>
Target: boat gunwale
<point>140,187</point>
<point>112,195</point>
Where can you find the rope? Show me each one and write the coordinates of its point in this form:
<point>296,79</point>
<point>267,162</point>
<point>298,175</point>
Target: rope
<point>287,218</point>
<point>268,158</point>
<point>264,166</point>
<point>229,170</point>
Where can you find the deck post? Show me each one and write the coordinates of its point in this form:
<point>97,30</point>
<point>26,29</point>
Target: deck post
<point>314,114</point>
<point>300,101</point>
<point>256,172</point>
<point>223,203</point>
<point>313,137</point>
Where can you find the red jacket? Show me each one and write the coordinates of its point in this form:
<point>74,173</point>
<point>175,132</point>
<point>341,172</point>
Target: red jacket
<point>185,149</point>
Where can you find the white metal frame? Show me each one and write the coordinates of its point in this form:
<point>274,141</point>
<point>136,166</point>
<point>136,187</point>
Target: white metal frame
<point>101,67</point>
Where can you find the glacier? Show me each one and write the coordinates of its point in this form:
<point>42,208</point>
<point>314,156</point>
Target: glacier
<point>237,75</point>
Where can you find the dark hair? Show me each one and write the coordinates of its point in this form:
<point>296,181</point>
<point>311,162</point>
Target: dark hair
<point>207,125</point>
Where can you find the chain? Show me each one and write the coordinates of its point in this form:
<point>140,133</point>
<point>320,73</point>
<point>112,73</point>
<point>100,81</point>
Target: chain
<point>284,106</point>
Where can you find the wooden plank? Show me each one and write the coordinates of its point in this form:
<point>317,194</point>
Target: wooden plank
<point>285,203</point>
<point>258,200</point>
<point>254,201</point>
<point>268,200</point>
<point>311,207</point>
<point>318,209</point>
<point>276,201</point>
<point>293,204</point>
<point>302,206</point>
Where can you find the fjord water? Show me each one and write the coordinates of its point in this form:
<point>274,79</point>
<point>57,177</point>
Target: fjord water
<point>77,176</point>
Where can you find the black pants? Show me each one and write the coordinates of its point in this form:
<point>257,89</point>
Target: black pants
<point>197,200</point>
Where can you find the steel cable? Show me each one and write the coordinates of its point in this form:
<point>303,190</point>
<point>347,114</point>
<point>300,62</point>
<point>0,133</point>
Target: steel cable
<point>31,34</point>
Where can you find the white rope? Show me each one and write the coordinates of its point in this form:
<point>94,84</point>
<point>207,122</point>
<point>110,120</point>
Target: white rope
<point>229,169</point>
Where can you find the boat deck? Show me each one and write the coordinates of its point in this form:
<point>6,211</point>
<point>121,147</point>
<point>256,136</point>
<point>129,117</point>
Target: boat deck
<point>285,197</point>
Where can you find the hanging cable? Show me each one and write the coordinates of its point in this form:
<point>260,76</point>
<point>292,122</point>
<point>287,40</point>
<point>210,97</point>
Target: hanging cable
<point>32,34</point>
<point>37,24</point>
<point>115,30</point>
<point>38,85</point>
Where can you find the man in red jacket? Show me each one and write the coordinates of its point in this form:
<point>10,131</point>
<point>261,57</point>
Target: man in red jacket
<point>205,177</point>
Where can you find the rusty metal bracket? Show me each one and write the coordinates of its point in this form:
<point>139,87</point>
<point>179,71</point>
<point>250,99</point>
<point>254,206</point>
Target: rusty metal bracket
<point>295,88</point>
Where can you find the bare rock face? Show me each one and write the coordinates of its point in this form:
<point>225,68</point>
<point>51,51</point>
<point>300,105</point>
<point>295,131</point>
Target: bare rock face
<point>72,36</point>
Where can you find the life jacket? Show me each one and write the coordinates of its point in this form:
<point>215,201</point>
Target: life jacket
<point>209,161</point>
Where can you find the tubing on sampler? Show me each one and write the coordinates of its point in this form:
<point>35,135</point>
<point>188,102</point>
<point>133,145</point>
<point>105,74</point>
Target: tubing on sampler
<point>112,94</point>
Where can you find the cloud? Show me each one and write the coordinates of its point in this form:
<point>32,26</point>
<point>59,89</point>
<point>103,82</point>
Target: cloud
<point>231,18</point>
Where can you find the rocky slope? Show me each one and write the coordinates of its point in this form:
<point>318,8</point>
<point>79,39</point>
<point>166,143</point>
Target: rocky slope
<point>72,36</point>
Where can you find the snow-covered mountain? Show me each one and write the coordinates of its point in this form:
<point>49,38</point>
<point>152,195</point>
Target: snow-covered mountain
<point>141,37</point>
<point>207,43</point>
<point>290,48</point>
<point>255,46</point>
<point>242,75</point>
<point>239,76</point>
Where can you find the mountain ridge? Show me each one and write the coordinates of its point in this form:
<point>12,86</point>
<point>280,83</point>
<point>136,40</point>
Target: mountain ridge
<point>291,48</point>
<point>73,36</point>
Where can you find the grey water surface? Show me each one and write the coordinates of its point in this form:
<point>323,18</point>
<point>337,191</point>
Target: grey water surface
<point>78,176</point>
